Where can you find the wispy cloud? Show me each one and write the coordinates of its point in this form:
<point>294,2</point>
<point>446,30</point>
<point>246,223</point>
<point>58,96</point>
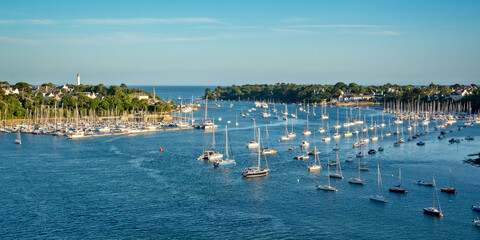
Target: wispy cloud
<point>363,29</point>
<point>114,38</point>
<point>112,21</point>
<point>17,40</point>
<point>294,31</point>
<point>190,39</point>
<point>140,21</point>
<point>228,26</point>
<point>131,38</point>
<point>335,26</point>
<point>29,21</point>
<point>196,39</point>
<point>382,33</point>
<point>295,20</point>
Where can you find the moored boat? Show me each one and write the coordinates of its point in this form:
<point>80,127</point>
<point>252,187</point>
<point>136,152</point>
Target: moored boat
<point>449,189</point>
<point>432,210</point>
<point>425,183</point>
<point>379,197</point>
<point>398,188</point>
<point>257,170</point>
<point>225,161</point>
<point>476,222</point>
<point>326,187</point>
<point>475,208</point>
<point>316,166</point>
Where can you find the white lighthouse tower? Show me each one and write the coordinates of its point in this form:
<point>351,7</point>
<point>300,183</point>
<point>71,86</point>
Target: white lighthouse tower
<point>78,79</point>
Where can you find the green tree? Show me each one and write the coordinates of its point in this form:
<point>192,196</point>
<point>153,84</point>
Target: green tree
<point>445,91</point>
<point>23,87</point>
<point>69,101</point>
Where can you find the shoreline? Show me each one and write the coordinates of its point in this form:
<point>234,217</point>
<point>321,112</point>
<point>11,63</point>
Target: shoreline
<point>131,133</point>
<point>357,104</point>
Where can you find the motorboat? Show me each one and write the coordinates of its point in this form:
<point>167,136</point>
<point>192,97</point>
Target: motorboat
<point>305,144</point>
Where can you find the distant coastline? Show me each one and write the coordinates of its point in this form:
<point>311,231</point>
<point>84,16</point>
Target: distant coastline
<point>351,94</point>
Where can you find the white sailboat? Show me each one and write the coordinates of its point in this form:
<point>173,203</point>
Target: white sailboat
<point>324,112</point>
<point>357,180</point>
<point>267,150</point>
<point>347,124</point>
<point>257,170</point>
<point>292,134</point>
<point>253,143</point>
<point>432,210</point>
<point>286,137</point>
<point>327,138</point>
<point>314,151</point>
<point>307,131</point>
<point>375,137</point>
<point>379,197</point>
<point>19,138</point>
<point>226,160</point>
<point>326,187</point>
<point>316,166</point>
<point>207,124</point>
<point>338,172</point>
<point>336,127</point>
<point>211,154</point>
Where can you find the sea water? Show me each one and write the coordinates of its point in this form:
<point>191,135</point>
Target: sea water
<point>124,187</point>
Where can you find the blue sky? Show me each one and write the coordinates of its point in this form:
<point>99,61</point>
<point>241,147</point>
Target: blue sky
<point>240,42</point>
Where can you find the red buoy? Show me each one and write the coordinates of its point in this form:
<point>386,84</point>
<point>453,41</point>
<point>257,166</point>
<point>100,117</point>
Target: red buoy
<point>161,150</point>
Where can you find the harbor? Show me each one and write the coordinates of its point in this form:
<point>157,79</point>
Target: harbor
<point>287,179</point>
<point>240,119</point>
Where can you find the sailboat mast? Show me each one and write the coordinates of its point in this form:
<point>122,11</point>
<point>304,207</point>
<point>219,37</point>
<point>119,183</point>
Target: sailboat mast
<point>378,178</point>
<point>259,147</point>
<point>206,103</point>
<point>399,176</point>
<point>213,142</point>
<point>328,166</point>
<point>254,127</point>
<point>226,141</point>
<point>435,187</point>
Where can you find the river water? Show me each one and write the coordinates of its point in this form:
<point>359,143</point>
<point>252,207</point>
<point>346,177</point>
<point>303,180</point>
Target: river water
<point>124,187</point>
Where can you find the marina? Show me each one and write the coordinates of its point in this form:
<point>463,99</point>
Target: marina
<point>240,119</point>
<point>164,180</point>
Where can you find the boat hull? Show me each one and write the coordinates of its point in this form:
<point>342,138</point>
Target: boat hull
<point>432,212</point>
<point>224,163</point>
<point>423,183</point>
<point>448,190</point>
<point>378,198</point>
<point>356,181</point>
<point>476,208</point>
<point>314,168</point>
<point>326,188</point>
<point>335,175</point>
<point>254,174</point>
<point>397,190</point>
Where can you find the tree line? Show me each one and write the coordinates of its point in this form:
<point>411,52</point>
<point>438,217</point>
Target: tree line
<point>118,98</point>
